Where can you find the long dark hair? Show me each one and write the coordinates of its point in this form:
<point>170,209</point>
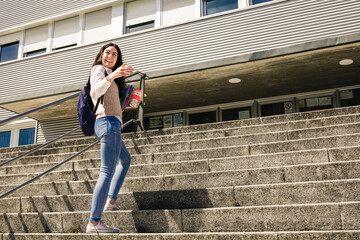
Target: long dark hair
<point>120,82</point>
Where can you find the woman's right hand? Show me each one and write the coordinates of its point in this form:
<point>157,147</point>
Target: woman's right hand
<point>121,71</point>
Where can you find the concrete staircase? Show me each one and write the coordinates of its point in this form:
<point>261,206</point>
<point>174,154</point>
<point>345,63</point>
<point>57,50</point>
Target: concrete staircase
<point>294,176</point>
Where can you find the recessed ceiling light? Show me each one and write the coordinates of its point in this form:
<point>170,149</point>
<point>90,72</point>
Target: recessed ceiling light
<point>234,80</point>
<point>345,62</point>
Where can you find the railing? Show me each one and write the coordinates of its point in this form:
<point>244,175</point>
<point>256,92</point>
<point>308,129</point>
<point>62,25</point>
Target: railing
<point>138,122</point>
<point>24,114</point>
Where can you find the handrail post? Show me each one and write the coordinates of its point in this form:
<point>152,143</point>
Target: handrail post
<point>141,106</point>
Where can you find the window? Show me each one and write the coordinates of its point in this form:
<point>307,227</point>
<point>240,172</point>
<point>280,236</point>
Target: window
<point>27,136</point>
<point>259,1</point>
<point>36,40</point>
<point>97,25</point>
<point>216,6</point>
<point>203,117</point>
<point>315,103</point>
<point>66,33</point>
<point>140,15</point>
<point>155,122</point>
<point>5,139</point>
<point>164,121</point>
<point>350,97</point>
<point>272,109</point>
<point>139,27</point>
<point>9,51</point>
<point>63,47</point>
<point>36,52</point>
<point>236,113</point>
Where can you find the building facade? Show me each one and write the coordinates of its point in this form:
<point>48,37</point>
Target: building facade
<point>208,60</point>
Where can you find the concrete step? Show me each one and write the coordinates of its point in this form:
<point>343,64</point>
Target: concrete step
<point>287,235</point>
<point>250,134</point>
<point>254,129</point>
<point>253,195</point>
<point>322,114</point>
<point>293,145</point>
<point>283,177</point>
<point>283,174</point>
<point>350,140</point>
<point>73,170</point>
<point>76,145</point>
<point>290,141</point>
<point>306,144</point>
<point>68,172</point>
<point>297,217</point>
<point>216,164</point>
<point>139,170</point>
<point>350,114</point>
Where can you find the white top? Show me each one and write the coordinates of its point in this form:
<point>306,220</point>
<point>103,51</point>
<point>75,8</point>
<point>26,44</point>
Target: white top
<point>100,86</point>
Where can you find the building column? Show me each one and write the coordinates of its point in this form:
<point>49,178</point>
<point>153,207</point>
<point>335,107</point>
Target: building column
<point>243,3</point>
<point>50,37</point>
<point>117,20</point>
<point>158,14</point>
<point>198,8</point>
<point>81,29</point>
<point>21,44</point>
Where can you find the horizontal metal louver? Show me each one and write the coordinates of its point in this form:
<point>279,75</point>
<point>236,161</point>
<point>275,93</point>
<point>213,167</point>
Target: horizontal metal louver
<point>15,13</point>
<point>4,114</point>
<point>254,29</point>
<point>48,130</point>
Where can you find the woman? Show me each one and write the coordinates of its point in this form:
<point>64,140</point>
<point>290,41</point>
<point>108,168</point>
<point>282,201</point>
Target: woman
<point>107,80</point>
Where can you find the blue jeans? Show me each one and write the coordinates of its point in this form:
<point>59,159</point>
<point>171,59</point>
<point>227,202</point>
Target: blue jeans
<point>111,177</point>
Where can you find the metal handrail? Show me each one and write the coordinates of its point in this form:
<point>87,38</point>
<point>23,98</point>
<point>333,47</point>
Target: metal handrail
<point>24,114</point>
<point>41,146</point>
<point>49,170</point>
<point>138,122</point>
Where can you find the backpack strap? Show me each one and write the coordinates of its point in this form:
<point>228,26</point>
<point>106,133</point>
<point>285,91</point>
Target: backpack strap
<point>102,97</point>
<point>97,104</point>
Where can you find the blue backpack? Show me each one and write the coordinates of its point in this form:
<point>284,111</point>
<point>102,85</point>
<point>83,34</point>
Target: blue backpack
<point>86,111</point>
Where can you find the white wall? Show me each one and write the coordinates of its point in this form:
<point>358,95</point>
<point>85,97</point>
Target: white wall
<point>66,32</point>
<point>178,11</point>
<point>97,25</point>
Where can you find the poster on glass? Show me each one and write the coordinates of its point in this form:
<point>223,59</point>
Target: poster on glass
<point>178,119</point>
<point>155,122</point>
<point>167,121</point>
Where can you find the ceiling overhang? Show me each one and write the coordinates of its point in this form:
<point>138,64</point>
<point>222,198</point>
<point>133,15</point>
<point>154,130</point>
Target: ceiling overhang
<point>283,75</point>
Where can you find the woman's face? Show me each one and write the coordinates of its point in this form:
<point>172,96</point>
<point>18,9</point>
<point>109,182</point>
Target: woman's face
<point>109,57</point>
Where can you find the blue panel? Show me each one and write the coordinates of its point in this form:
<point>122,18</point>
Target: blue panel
<point>216,6</point>
<point>5,139</point>
<point>27,136</point>
<point>9,52</point>
<point>260,1</point>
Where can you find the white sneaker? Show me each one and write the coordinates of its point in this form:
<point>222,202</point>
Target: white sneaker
<point>111,206</point>
<point>101,227</point>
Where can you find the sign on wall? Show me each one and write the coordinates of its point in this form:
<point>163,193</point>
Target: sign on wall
<point>288,107</point>
<point>178,119</point>
<point>167,121</point>
<point>244,114</point>
<point>346,94</point>
<point>156,122</point>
